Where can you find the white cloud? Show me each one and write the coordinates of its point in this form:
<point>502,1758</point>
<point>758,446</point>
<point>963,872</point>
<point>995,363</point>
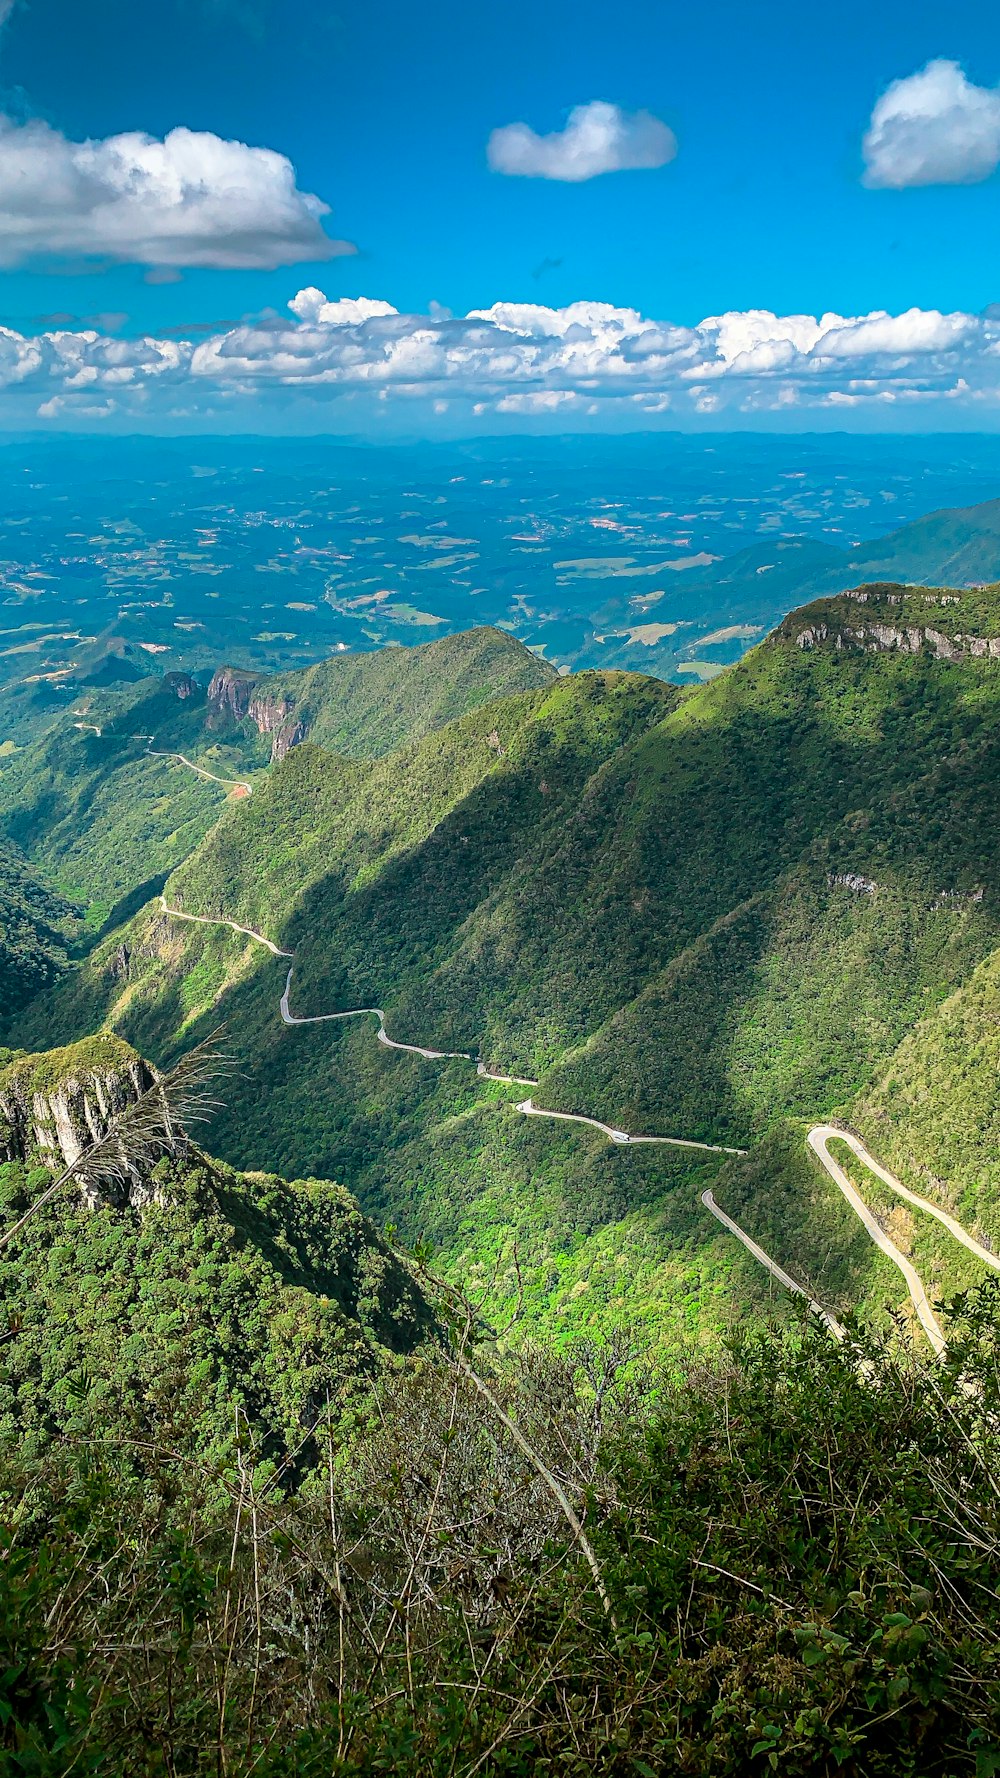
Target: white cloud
<point>598,138</point>
<point>537,401</point>
<point>312,305</point>
<point>917,330</point>
<point>511,359</point>
<point>933,128</point>
<point>192,199</point>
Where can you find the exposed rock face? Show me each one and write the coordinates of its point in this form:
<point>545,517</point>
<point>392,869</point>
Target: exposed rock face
<point>853,880</point>
<point>886,638</point>
<point>289,735</point>
<point>56,1122</point>
<point>236,695</point>
<point>229,693</point>
<point>181,684</point>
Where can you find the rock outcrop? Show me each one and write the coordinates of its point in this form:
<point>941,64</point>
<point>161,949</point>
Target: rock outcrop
<point>229,694</point>
<point>183,685</point>
<point>888,638</point>
<point>55,1106</point>
<point>241,697</point>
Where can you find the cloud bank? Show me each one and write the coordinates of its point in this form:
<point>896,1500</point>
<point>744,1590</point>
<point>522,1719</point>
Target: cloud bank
<point>933,128</point>
<point>191,200</point>
<point>350,357</point>
<point>598,138</point>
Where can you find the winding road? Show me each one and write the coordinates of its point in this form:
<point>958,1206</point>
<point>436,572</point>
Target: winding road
<point>288,1017</point>
<point>202,771</point>
<point>764,1259</point>
<point>818,1137</point>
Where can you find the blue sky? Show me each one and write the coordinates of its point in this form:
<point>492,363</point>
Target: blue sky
<point>385,112</point>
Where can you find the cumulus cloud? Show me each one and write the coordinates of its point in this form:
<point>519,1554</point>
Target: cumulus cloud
<point>933,128</point>
<point>511,359</point>
<point>598,138</point>
<point>192,199</point>
<point>346,311</point>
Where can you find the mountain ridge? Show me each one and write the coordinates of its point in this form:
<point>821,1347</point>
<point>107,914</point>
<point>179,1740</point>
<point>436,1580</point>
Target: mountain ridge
<point>695,913</point>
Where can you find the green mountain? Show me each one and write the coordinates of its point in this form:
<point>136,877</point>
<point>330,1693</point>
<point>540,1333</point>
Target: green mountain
<point>257,1517</point>
<point>35,930</point>
<point>955,547</point>
<point>106,818</point>
<point>366,705</point>
<point>714,613</point>
<point>696,914</point>
<point>167,1302</point>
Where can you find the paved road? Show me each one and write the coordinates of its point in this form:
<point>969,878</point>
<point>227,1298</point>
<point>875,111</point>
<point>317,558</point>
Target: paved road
<point>288,1017</point>
<point>622,1136</point>
<point>202,771</point>
<point>818,1138</point>
<point>776,1271</point>
<point>357,1012</point>
<point>157,753</point>
<point>205,920</point>
<point>954,1228</point>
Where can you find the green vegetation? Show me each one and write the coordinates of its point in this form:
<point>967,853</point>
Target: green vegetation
<point>933,1113</point>
<point>105,822</point>
<point>367,705</point>
<point>276,1499</point>
<point>801,1565</point>
<point>205,1297</point>
<point>696,914</point>
<point>35,929</point>
<point>101,819</point>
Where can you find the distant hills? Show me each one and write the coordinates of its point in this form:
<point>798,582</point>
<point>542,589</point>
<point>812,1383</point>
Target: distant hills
<point>103,816</point>
<point>749,592</point>
<point>678,613</point>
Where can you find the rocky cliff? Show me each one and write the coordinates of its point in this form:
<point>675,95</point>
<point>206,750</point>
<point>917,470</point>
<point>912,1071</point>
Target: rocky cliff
<point>54,1106</point>
<point>896,623</point>
<point>237,696</point>
<point>911,640</point>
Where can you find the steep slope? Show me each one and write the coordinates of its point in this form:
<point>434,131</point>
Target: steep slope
<point>367,705</point>
<point>198,1294</point>
<point>693,915</point>
<point>954,547</point>
<point>95,812</point>
<point>102,807</point>
<point>934,1110</point>
<point>35,929</point>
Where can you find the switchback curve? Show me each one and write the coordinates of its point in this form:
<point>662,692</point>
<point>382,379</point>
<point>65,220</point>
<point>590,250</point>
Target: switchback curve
<point>817,1137</point>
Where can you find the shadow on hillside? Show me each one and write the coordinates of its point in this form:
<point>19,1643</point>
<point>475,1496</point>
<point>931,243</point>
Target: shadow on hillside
<point>645,900</point>
<point>123,911</point>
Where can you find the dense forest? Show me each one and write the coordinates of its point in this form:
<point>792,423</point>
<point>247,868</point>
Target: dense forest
<point>417,1434</point>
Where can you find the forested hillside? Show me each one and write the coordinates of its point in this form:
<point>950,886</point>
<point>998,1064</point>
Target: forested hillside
<point>692,914</point>
<point>367,705</point>
<point>342,1503</point>
<point>35,929</point>
<point>105,810</point>
<point>165,1311</point>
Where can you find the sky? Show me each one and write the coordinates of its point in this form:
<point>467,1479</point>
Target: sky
<point>384,220</point>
